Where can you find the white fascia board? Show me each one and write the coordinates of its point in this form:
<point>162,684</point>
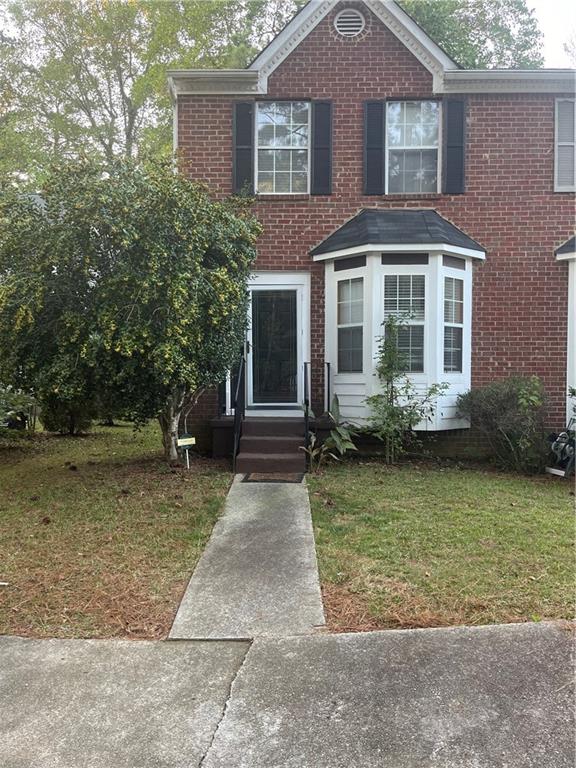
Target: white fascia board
<point>390,14</point>
<point>195,82</point>
<point>449,250</point>
<point>566,256</point>
<point>509,81</point>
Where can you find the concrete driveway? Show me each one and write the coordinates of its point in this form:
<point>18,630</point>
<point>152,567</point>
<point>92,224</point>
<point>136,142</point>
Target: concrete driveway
<point>488,697</point>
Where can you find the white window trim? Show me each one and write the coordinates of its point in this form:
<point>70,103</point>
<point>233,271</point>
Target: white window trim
<point>387,150</point>
<point>308,149</point>
<point>558,187</point>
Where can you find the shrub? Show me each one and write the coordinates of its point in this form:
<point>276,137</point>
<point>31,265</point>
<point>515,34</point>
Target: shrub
<point>17,408</point>
<point>510,414</point>
<point>400,407</point>
<point>68,417</point>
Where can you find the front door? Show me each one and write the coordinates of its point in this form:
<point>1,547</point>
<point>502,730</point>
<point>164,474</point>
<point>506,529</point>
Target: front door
<point>276,345</point>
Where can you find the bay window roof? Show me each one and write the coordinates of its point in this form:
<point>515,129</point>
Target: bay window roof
<point>567,250</point>
<point>407,230</point>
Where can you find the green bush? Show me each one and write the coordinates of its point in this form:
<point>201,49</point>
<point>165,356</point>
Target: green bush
<point>68,417</point>
<point>510,414</point>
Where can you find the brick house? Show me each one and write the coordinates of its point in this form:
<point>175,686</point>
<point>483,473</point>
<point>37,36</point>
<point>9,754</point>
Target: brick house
<point>389,179</point>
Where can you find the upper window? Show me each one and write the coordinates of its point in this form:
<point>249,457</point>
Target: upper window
<point>350,325</point>
<point>282,156</point>
<point>565,149</point>
<point>405,298</point>
<point>453,324</point>
<point>412,157</point>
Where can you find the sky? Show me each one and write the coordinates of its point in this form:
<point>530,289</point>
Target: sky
<point>557,20</point>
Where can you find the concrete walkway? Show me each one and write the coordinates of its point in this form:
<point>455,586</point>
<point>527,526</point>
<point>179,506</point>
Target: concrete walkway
<point>484,697</point>
<point>258,575</point>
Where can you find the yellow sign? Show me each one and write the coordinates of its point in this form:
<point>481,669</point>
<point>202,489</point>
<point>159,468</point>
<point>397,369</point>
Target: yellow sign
<point>183,441</point>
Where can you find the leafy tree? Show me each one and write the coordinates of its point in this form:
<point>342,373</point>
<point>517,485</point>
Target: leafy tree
<point>124,286</point>
<point>90,75</point>
<point>482,34</point>
<point>399,407</point>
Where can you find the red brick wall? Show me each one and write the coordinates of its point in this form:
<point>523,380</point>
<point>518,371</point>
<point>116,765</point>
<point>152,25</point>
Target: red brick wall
<point>520,293</point>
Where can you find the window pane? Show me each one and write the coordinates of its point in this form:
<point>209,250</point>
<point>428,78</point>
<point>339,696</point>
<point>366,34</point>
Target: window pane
<point>282,182</point>
<point>405,295</point>
<point>452,350</point>
<point>411,347</point>
<point>300,112</point>
<point>412,124</point>
<point>356,289</point>
<point>265,182</point>
<point>565,166</point>
<point>265,160</point>
<point>265,135</point>
<point>453,300</point>
<point>350,350</point>
<point>350,301</point>
<point>283,159</point>
<point>299,160</point>
<point>565,128</point>
<point>299,182</point>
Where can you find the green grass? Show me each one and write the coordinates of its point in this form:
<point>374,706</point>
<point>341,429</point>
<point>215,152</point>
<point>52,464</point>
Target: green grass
<point>98,536</point>
<point>420,546</point>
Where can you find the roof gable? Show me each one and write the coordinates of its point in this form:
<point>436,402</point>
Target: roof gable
<point>388,12</point>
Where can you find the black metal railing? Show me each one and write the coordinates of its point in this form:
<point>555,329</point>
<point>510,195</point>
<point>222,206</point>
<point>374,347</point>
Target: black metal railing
<point>306,404</point>
<point>327,387</point>
<point>239,405</point>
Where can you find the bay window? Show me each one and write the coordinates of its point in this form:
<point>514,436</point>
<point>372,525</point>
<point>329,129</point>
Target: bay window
<point>350,318</point>
<point>282,147</point>
<point>412,146</point>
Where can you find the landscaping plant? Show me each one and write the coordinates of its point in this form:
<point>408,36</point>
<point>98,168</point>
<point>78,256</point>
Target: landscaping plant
<point>510,414</point>
<point>399,407</point>
<point>335,446</point>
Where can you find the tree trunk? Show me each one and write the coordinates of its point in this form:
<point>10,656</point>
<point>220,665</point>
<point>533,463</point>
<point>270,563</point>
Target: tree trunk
<point>169,420</point>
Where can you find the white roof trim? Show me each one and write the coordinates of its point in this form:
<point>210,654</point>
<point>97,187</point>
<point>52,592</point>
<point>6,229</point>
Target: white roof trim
<point>509,81</point>
<point>566,256</point>
<point>400,24</point>
<point>449,250</point>
<point>241,82</point>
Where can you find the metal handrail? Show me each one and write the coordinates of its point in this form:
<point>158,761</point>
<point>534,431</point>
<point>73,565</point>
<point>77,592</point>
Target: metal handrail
<point>306,405</point>
<point>328,387</point>
<point>239,405</point>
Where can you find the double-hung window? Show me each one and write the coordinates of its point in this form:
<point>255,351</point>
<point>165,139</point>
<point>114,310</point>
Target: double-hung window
<point>405,299</point>
<point>282,147</point>
<point>453,324</point>
<point>350,325</point>
<point>412,146</point>
<point>565,149</point>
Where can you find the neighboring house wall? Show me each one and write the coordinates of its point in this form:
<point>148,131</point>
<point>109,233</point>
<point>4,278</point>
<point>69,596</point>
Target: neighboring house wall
<point>509,206</point>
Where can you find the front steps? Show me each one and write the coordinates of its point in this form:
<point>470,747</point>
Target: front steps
<point>271,445</point>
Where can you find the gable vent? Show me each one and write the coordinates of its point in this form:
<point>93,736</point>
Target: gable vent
<point>349,22</point>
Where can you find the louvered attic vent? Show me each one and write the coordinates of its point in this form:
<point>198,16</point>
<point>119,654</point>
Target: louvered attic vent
<point>349,22</point>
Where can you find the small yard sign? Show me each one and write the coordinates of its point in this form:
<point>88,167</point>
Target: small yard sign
<point>185,442</point>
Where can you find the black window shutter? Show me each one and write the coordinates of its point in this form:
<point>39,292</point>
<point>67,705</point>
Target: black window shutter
<point>243,135</point>
<point>374,147</point>
<point>454,146</point>
<point>321,183</point>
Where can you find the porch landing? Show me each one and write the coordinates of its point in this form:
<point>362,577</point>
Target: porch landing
<point>258,575</point>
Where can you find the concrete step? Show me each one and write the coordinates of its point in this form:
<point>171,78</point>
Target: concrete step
<point>270,444</point>
<point>287,427</point>
<point>270,462</point>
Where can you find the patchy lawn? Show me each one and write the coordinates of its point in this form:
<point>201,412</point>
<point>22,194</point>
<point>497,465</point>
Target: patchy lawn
<point>98,536</point>
<point>422,546</point>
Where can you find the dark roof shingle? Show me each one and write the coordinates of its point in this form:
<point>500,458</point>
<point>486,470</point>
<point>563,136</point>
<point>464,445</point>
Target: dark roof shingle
<point>372,226</point>
<point>568,247</point>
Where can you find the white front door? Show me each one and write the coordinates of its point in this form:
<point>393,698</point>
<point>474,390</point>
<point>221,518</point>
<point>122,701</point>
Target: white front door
<point>278,340</point>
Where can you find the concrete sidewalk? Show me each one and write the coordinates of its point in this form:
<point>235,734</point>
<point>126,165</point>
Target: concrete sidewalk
<point>111,704</point>
<point>258,574</point>
<point>484,697</point>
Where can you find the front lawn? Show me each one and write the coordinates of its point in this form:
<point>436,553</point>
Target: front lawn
<point>424,546</point>
<point>98,536</point>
